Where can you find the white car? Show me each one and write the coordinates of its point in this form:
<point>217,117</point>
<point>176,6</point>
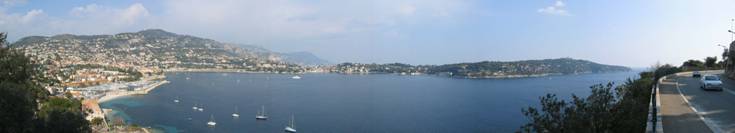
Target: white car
<point>711,82</point>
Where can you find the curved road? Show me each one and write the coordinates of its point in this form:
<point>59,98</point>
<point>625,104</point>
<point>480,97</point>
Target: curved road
<point>686,108</point>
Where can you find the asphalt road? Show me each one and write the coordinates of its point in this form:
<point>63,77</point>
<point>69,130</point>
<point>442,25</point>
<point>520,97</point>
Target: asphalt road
<point>686,108</point>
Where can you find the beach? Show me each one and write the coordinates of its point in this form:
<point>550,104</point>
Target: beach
<point>113,94</point>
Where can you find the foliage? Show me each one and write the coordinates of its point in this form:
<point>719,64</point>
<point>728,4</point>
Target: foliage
<point>692,65</point>
<point>21,92</point>
<point>18,92</point>
<point>710,62</point>
<point>96,121</point>
<point>63,115</point>
<point>664,70</point>
<point>608,109</point>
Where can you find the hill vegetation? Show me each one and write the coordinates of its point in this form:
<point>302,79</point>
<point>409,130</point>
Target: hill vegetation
<point>488,69</point>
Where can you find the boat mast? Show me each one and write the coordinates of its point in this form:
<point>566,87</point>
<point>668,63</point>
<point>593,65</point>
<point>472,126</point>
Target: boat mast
<point>291,123</point>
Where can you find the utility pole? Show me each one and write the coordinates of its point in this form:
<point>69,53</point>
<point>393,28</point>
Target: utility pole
<point>732,27</point>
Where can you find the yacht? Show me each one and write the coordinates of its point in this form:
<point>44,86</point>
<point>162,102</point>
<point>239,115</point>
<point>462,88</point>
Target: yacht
<point>296,77</point>
<point>236,114</point>
<point>211,122</point>
<point>261,114</point>
<point>290,127</point>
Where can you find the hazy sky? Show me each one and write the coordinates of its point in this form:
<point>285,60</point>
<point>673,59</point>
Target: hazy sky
<point>634,33</point>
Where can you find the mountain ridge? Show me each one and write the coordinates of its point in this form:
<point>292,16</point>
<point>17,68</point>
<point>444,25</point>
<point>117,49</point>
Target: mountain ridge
<point>488,69</point>
<point>120,40</point>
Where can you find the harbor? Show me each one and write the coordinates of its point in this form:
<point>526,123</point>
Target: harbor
<point>94,95</point>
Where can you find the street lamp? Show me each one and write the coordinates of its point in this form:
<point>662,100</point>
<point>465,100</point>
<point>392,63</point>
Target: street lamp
<point>723,46</point>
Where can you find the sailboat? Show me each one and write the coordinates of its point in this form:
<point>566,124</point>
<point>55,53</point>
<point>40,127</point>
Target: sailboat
<point>261,114</point>
<point>290,127</point>
<point>176,100</point>
<point>236,114</point>
<point>211,122</point>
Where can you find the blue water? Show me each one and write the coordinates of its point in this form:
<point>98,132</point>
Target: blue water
<point>335,103</point>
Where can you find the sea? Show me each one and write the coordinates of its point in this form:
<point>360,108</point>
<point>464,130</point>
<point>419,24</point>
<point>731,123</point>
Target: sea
<point>345,103</point>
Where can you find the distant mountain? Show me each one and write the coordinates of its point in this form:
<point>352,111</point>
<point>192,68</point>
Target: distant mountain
<point>153,48</point>
<point>304,58</point>
<point>488,69</point>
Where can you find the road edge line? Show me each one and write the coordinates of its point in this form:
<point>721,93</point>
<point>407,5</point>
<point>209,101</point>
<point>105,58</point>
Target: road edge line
<point>706,121</point>
<point>659,123</point>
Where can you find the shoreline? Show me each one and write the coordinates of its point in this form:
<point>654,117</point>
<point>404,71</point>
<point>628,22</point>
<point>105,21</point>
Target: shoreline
<point>217,70</point>
<point>111,95</point>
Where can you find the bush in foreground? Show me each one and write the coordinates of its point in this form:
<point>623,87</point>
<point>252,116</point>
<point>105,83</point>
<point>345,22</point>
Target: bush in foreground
<point>21,93</point>
<point>609,108</point>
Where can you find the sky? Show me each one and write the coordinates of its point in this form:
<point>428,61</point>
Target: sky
<point>635,33</point>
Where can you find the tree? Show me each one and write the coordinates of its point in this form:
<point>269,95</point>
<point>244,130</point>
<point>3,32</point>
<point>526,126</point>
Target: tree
<point>607,109</point>
<point>63,115</point>
<point>663,70</point>
<point>710,62</point>
<point>692,65</point>
<point>583,115</point>
<point>20,93</point>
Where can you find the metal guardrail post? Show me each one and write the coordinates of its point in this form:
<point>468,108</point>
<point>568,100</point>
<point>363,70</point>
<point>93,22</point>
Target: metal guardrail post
<point>654,123</point>
<point>653,105</point>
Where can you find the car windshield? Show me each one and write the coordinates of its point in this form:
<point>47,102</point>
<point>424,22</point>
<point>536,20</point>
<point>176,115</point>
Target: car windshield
<point>711,78</point>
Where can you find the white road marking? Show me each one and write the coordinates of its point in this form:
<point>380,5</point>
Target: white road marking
<point>728,91</point>
<point>711,125</point>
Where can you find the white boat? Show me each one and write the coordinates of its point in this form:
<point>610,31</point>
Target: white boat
<point>195,107</point>
<point>187,78</point>
<point>211,122</point>
<point>236,114</point>
<point>176,100</point>
<point>296,77</point>
<point>261,114</point>
<point>201,108</point>
<point>290,127</point>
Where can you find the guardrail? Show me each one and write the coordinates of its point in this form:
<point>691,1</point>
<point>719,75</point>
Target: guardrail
<point>654,114</point>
